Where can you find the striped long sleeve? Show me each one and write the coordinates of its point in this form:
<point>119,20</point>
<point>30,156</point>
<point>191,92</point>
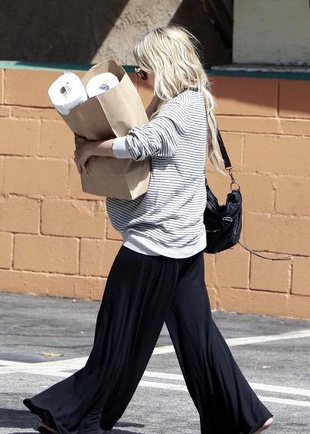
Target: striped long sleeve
<point>168,219</point>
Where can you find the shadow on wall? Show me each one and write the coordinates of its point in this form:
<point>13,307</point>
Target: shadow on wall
<point>68,31</point>
<point>194,15</point>
<point>73,31</point>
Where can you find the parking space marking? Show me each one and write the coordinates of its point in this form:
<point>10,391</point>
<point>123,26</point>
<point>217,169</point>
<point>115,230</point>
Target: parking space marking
<point>57,366</point>
<point>299,334</point>
<point>281,389</point>
<point>52,368</point>
<point>165,386</point>
<point>181,388</point>
<point>64,367</point>
<point>256,386</point>
<point>284,401</point>
<point>234,342</point>
<point>165,349</point>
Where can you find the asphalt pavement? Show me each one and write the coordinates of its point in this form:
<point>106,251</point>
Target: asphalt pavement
<point>44,339</point>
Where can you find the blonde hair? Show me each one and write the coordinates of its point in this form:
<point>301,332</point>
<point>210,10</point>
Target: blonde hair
<point>171,54</point>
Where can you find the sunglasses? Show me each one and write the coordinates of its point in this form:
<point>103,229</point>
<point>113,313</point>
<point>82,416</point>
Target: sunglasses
<point>142,74</point>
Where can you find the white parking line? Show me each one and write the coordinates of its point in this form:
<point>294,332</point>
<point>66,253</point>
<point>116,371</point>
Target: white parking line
<point>62,368</point>
<point>57,366</point>
<point>54,368</point>
<point>281,389</point>
<point>299,334</point>
<point>284,401</point>
<point>234,342</point>
<point>255,386</point>
<point>181,388</point>
<point>165,386</point>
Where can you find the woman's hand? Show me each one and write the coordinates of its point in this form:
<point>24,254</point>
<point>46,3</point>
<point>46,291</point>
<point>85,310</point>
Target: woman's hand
<point>83,151</point>
<point>85,148</point>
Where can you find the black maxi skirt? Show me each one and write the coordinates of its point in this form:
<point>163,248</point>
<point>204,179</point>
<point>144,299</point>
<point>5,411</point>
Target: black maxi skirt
<point>142,293</point>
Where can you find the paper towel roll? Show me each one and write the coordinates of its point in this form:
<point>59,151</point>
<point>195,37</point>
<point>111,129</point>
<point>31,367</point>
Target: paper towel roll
<point>101,83</point>
<point>67,92</point>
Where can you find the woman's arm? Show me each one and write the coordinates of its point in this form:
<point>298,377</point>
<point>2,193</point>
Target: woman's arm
<point>87,148</point>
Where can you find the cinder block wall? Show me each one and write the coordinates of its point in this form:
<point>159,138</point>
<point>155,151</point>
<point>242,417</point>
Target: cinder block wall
<point>57,240</point>
<point>266,126</point>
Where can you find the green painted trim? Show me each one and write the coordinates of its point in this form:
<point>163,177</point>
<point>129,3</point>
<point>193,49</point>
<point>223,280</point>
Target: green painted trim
<point>17,64</point>
<point>129,68</point>
<point>285,74</point>
<point>7,64</point>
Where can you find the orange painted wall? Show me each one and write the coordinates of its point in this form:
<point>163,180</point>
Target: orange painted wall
<point>57,240</point>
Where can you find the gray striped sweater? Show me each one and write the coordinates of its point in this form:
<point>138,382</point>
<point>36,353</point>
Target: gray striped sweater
<point>168,219</point>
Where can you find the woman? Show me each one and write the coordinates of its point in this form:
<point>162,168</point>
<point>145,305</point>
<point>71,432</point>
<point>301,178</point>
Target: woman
<point>158,274</point>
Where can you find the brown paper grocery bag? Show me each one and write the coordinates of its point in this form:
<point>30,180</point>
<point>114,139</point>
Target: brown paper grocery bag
<point>107,115</point>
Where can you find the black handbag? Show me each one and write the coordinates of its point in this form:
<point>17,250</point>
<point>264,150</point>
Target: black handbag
<point>223,222</point>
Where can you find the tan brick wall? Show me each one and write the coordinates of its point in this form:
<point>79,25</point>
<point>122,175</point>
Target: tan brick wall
<point>266,128</point>
<point>57,240</point>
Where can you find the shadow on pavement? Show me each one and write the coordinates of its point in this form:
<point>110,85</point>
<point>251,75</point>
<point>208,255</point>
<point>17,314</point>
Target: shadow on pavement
<point>22,419</point>
<point>114,431</point>
<point>11,418</point>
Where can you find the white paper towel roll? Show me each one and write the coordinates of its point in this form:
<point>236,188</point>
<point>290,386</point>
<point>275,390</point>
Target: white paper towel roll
<point>67,92</point>
<point>101,83</point>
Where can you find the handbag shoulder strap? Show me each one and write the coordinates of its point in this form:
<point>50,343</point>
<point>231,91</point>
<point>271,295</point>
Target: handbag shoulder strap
<point>226,160</point>
<point>224,153</point>
<point>228,167</point>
